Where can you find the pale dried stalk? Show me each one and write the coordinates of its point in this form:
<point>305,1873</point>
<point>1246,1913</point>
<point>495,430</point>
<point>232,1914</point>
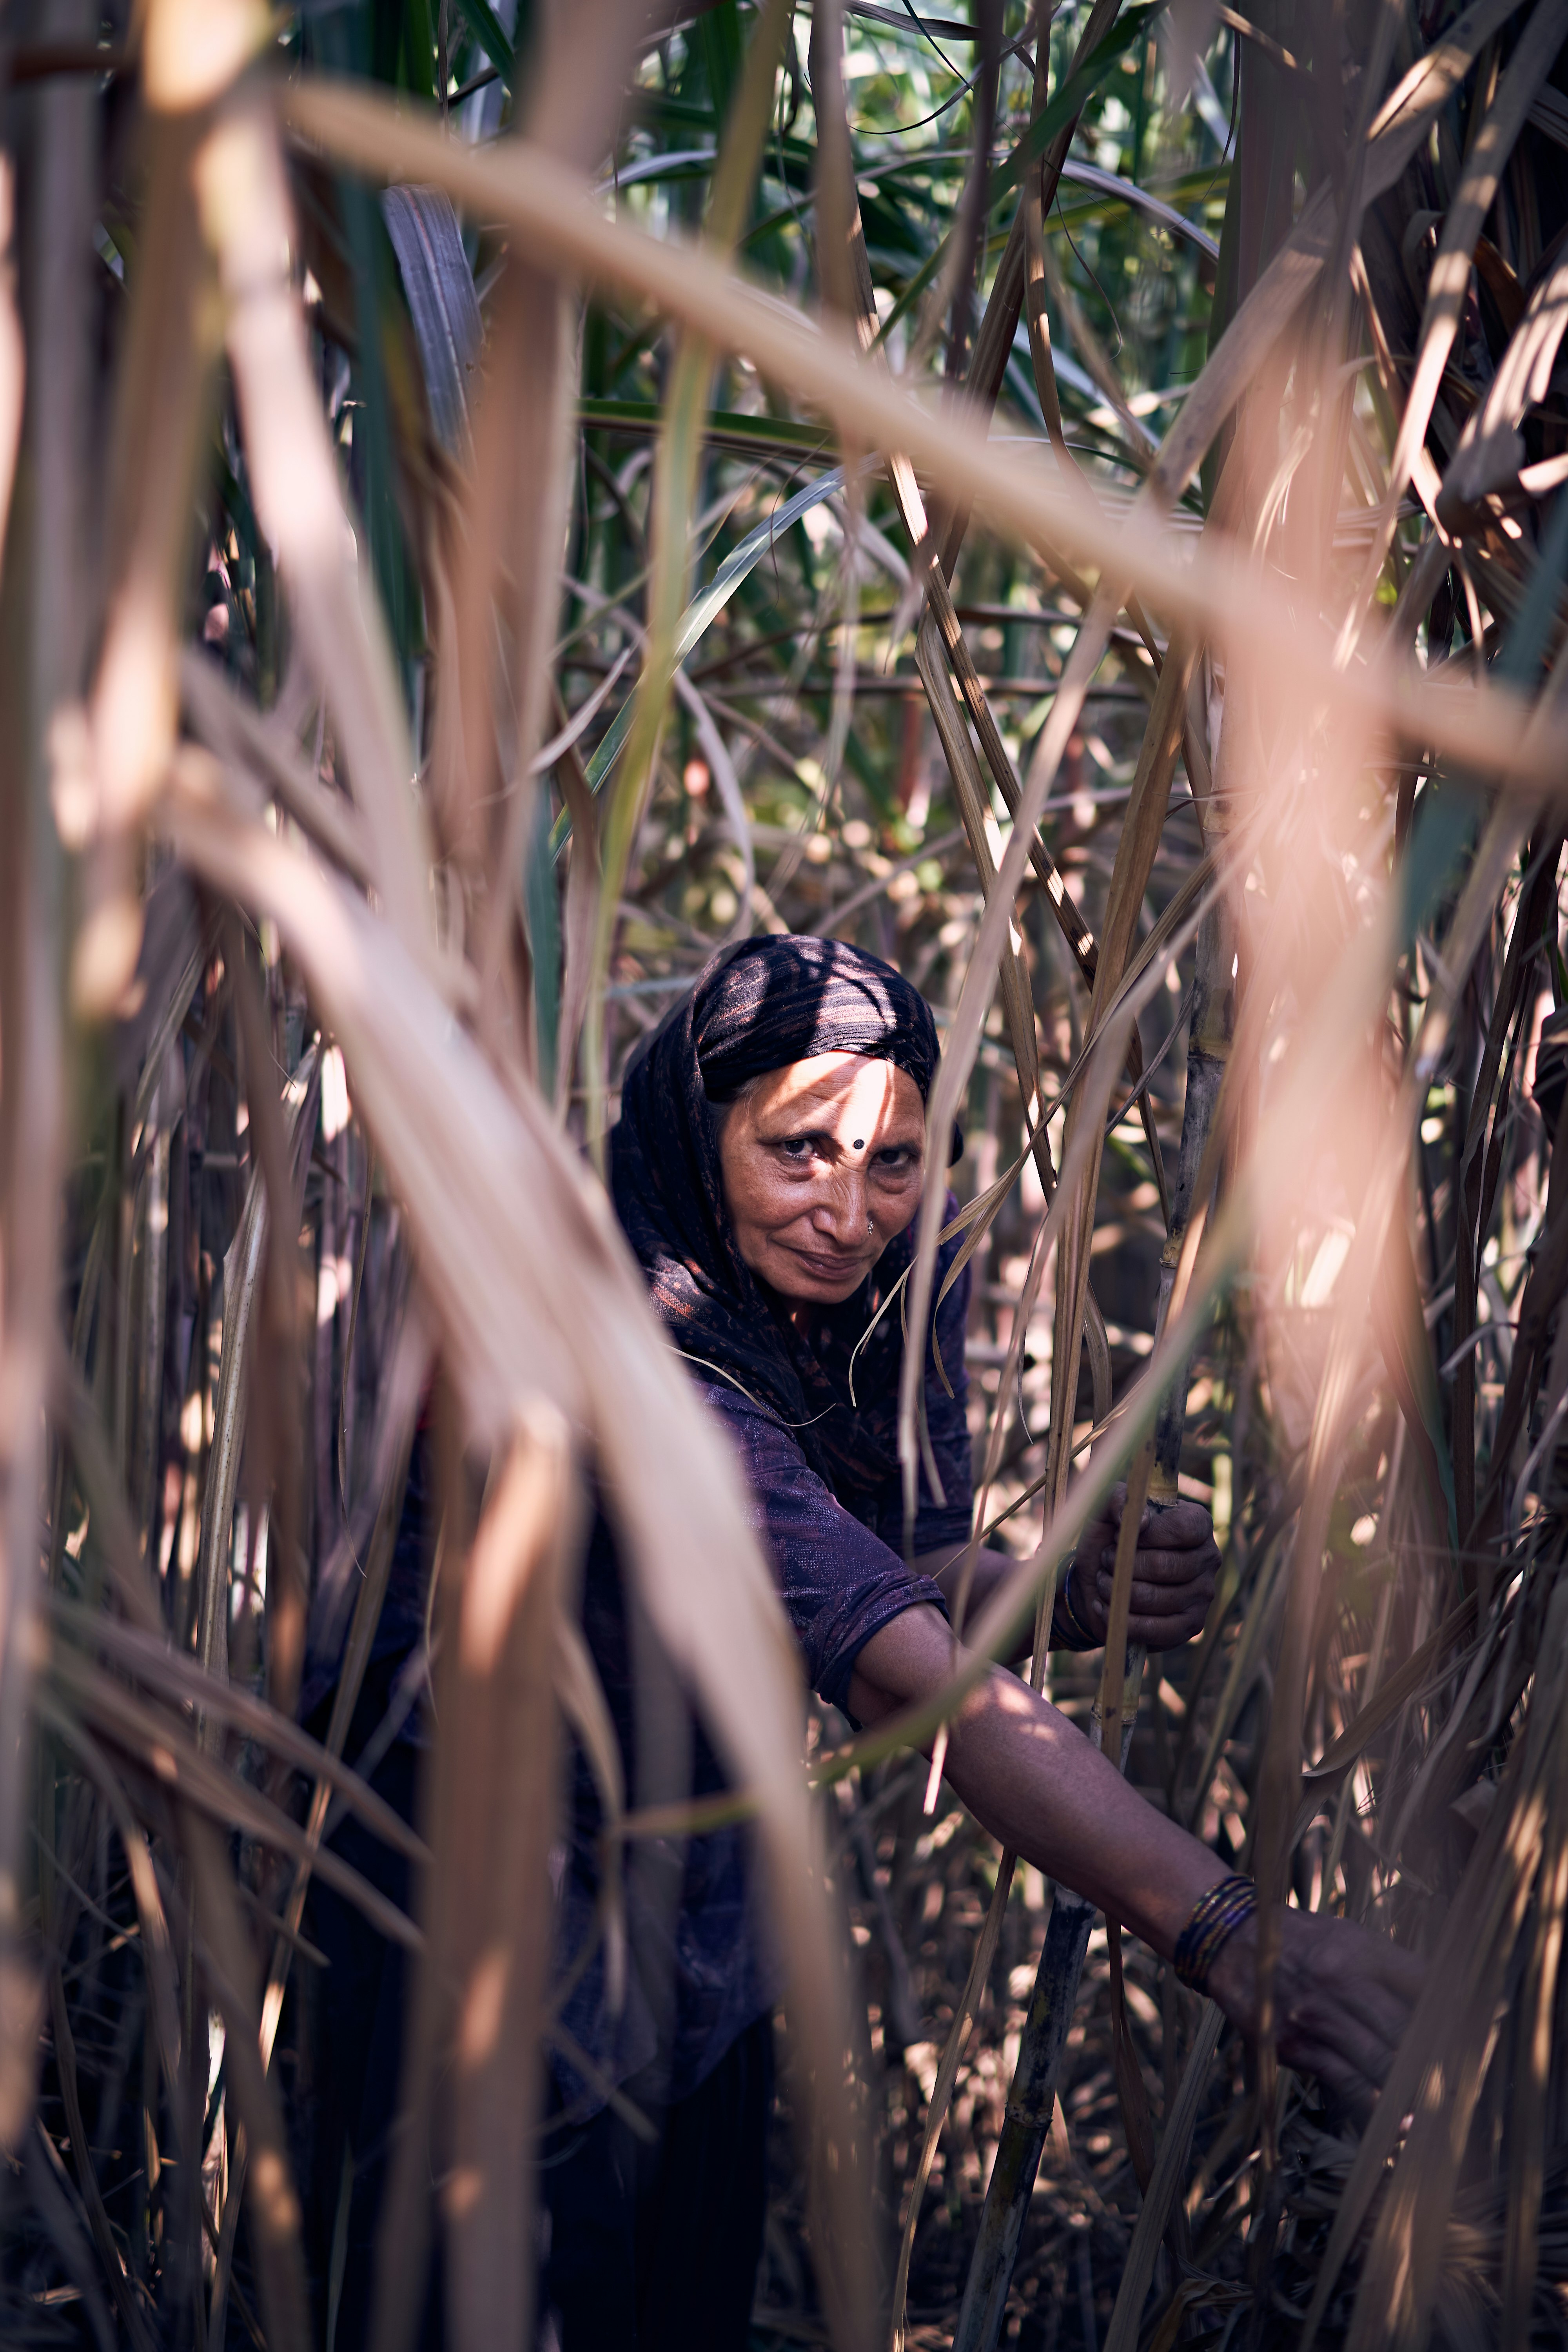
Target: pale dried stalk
<point>163,395</point>
<point>535,1290</point>
<point>251,744</point>
<point>969,794</point>
<point>1135,858</point>
<point>536,401</point>
<point>13,359</point>
<point>31,1115</point>
<point>245,218</point>
<point>193,51</point>
<point>516,509</point>
<point>500,1734</point>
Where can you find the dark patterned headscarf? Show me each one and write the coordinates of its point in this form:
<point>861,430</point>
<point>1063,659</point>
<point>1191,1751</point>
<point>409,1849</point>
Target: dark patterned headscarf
<point>759,1006</point>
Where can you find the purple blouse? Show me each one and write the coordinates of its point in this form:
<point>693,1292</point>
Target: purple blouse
<point>701,1968</point>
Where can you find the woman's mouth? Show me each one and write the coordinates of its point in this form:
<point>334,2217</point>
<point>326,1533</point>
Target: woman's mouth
<point>834,1264</point>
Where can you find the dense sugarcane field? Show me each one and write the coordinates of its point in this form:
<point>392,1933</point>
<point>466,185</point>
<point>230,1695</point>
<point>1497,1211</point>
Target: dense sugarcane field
<point>498,501</point>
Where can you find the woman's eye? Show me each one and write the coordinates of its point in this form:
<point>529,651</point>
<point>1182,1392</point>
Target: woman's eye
<point>896,1160</point>
<point>797,1148</point>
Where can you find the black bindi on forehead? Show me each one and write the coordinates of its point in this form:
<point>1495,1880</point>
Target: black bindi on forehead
<point>859,1144</point>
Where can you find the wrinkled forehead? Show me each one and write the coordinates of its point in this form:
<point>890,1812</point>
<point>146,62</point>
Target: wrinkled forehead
<point>841,1086</point>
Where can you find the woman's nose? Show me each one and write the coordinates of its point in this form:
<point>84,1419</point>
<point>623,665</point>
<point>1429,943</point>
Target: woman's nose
<point>843,1208</point>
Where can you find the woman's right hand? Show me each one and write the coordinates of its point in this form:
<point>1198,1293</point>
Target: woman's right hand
<point>1342,1999</point>
<point>1038,1786</point>
<point>1173,1572</point>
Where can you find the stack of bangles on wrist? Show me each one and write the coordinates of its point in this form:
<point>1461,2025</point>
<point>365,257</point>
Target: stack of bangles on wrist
<point>1215,1917</point>
<point>1067,1623</point>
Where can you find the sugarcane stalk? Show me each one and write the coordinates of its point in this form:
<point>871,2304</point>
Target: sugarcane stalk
<point>1026,2120</point>
<point>1209,1056</point>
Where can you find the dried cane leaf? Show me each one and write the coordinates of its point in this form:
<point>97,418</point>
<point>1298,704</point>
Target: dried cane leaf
<point>1527,2120</point>
<point>1491,450</point>
<point>177,1677</point>
<point>1400,2281</point>
<point>133,2318</point>
<point>1473,1944</point>
<point>1134,858</point>
<point>1538,46</point>
<point>941,2091</point>
<point>163,394</point>
<point>439,285</point>
<point>1160,2197</point>
<point>171,1759</point>
<point>63,2218</point>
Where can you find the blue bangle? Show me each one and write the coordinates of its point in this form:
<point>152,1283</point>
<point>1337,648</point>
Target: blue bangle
<point>1216,1917</point>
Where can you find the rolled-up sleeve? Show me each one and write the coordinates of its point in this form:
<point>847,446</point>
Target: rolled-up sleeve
<point>840,1583</point>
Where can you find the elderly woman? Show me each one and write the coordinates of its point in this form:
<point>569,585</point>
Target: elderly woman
<point>767,1168</point>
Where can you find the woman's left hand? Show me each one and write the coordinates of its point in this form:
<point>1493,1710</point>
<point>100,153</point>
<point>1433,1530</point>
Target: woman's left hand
<point>1173,1572</point>
<point>1342,2000</point>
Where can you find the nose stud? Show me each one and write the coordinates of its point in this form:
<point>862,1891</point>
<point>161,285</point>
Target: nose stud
<point>870,1225</point>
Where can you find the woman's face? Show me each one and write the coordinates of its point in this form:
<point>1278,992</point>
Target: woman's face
<point>822,1166</point>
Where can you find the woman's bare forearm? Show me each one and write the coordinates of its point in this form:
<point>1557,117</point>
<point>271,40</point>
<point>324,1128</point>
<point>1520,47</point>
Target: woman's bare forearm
<point>990,1569</point>
<point>1037,1784</point>
<point>1343,1997</point>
